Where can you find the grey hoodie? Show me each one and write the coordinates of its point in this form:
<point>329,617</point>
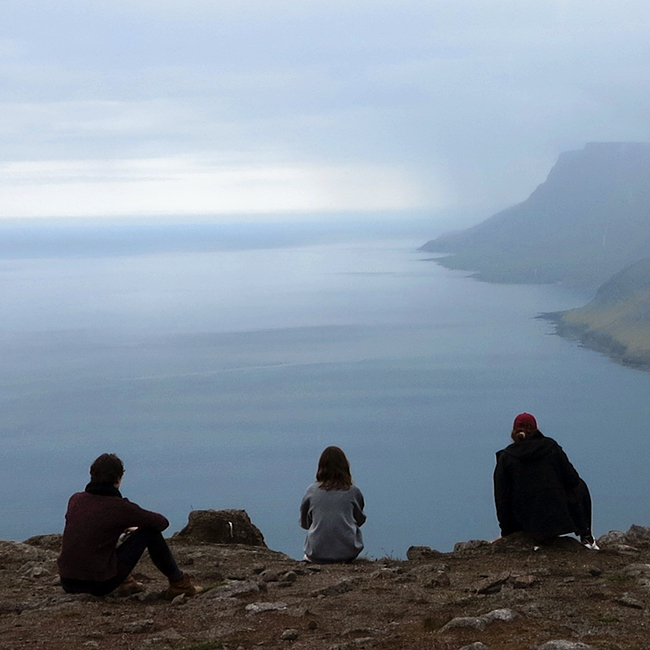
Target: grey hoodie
<point>332,519</point>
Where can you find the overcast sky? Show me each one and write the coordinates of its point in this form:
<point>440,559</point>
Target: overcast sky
<point>147,107</point>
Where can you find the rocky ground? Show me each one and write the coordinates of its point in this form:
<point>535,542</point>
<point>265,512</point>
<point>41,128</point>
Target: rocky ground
<point>500,596</point>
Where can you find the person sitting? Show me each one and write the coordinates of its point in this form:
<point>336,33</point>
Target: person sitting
<point>91,560</point>
<point>332,512</point>
<point>537,490</point>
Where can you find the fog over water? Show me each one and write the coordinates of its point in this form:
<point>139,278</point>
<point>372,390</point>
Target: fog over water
<point>219,377</point>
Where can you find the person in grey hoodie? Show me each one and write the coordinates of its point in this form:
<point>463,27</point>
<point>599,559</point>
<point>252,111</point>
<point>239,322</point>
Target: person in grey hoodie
<point>536,488</point>
<point>332,511</point>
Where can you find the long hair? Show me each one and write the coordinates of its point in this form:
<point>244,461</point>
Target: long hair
<point>525,426</point>
<point>333,470</point>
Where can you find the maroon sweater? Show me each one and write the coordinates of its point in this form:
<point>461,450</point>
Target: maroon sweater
<point>93,525</point>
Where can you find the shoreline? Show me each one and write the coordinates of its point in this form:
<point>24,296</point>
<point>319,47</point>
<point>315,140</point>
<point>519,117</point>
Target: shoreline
<point>595,340</point>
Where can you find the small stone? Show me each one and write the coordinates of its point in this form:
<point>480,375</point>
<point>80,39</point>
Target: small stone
<point>270,576</point>
<point>522,582</point>
<point>138,627</point>
<point>612,537</point>
<point>562,644</point>
<point>466,622</point>
<point>493,584</point>
<point>37,571</point>
<point>422,553</point>
<point>256,608</point>
<point>90,644</point>
<point>290,634</point>
<point>637,570</point>
<point>441,579</point>
<point>505,615</point>
<point>312,625</point>
<point>237,589</point>
<point>181,599</point>
<point>289,576</point>
<point>627,600</point>
<point>470,545</point>
<point>335,589</point>
<point>595,572</point>
<point>475,646</point>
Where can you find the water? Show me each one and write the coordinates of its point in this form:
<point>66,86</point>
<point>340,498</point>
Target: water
<point>220,376</point>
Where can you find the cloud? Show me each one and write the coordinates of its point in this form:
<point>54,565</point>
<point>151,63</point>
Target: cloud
<point>195,186</point>
<point>468,100</point>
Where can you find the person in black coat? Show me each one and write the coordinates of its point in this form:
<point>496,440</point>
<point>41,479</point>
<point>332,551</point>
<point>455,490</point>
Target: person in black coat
<point>536,488</point>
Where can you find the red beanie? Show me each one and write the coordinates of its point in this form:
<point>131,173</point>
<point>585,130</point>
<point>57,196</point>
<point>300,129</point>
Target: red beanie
<point>525,421</point>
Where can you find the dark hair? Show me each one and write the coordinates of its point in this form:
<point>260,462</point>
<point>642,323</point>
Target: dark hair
<point>334,470</point>
<point>108,469</point>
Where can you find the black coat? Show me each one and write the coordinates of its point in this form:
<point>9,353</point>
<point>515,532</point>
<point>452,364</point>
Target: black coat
<point>536,489</point>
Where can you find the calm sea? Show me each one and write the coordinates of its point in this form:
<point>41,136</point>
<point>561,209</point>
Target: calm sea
<point>219,377</point>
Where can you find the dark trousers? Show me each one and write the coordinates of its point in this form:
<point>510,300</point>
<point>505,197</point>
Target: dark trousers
<point>128,554</point>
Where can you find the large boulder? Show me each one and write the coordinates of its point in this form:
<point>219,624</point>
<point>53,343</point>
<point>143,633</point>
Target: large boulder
<point>220,527</point>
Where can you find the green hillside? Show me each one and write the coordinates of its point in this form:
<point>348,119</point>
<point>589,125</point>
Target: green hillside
<point>617,320</point>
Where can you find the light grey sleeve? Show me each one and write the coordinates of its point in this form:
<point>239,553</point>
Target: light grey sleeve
<point>305,516</point>
<point>357,508</point>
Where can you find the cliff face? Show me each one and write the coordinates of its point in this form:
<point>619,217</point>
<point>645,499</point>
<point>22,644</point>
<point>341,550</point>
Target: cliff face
<point>504,595</point>
<point>589,219</point>
<point>617,320</point>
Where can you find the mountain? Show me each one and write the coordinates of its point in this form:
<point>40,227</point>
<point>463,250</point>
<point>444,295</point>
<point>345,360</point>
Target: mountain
<point>617,320</point>
<point>588,220</point>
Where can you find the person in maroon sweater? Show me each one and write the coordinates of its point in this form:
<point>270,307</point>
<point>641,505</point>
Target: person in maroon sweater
<point>91,560</point>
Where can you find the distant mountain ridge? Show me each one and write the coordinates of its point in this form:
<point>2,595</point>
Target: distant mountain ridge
<point>589,219</point>
<point>586,226</point>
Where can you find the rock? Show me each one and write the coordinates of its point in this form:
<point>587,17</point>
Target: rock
<point>561,644</point>
<point>522,582</point>
<point>492,585</point>
<point>623,549</point>
<point>237,589</point>
<point>467,622</point>
<point>441,579</point>
<point>627,600</point>
<point>181,599</point>
<point>270,575</point>
<point>312,625</point>
<point>470,545</point>
<point>637,570</point>
<point>48,542</point>
<point>639,534</point>
<point>165,636</point>
<point>290,634</point>
<point>475,646</point>
<point>37,571</point>
<point>138,627</point>
<point>256,608</point>
<point>505,615</point>
<point>289,576</point>
<point>334,590</point>
<point>422,553</point>
<point>612,537</point>
<point>220,527</point>
<point>595,572</point>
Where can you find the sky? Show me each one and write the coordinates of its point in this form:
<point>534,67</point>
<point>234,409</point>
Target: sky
<point>116,108</point>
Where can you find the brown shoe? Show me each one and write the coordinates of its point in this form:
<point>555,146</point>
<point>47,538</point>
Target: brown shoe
<point>129,586</point>
<point>182,586</point>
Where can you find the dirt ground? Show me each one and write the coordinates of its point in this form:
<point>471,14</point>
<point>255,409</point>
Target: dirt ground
<point>506,595</point>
